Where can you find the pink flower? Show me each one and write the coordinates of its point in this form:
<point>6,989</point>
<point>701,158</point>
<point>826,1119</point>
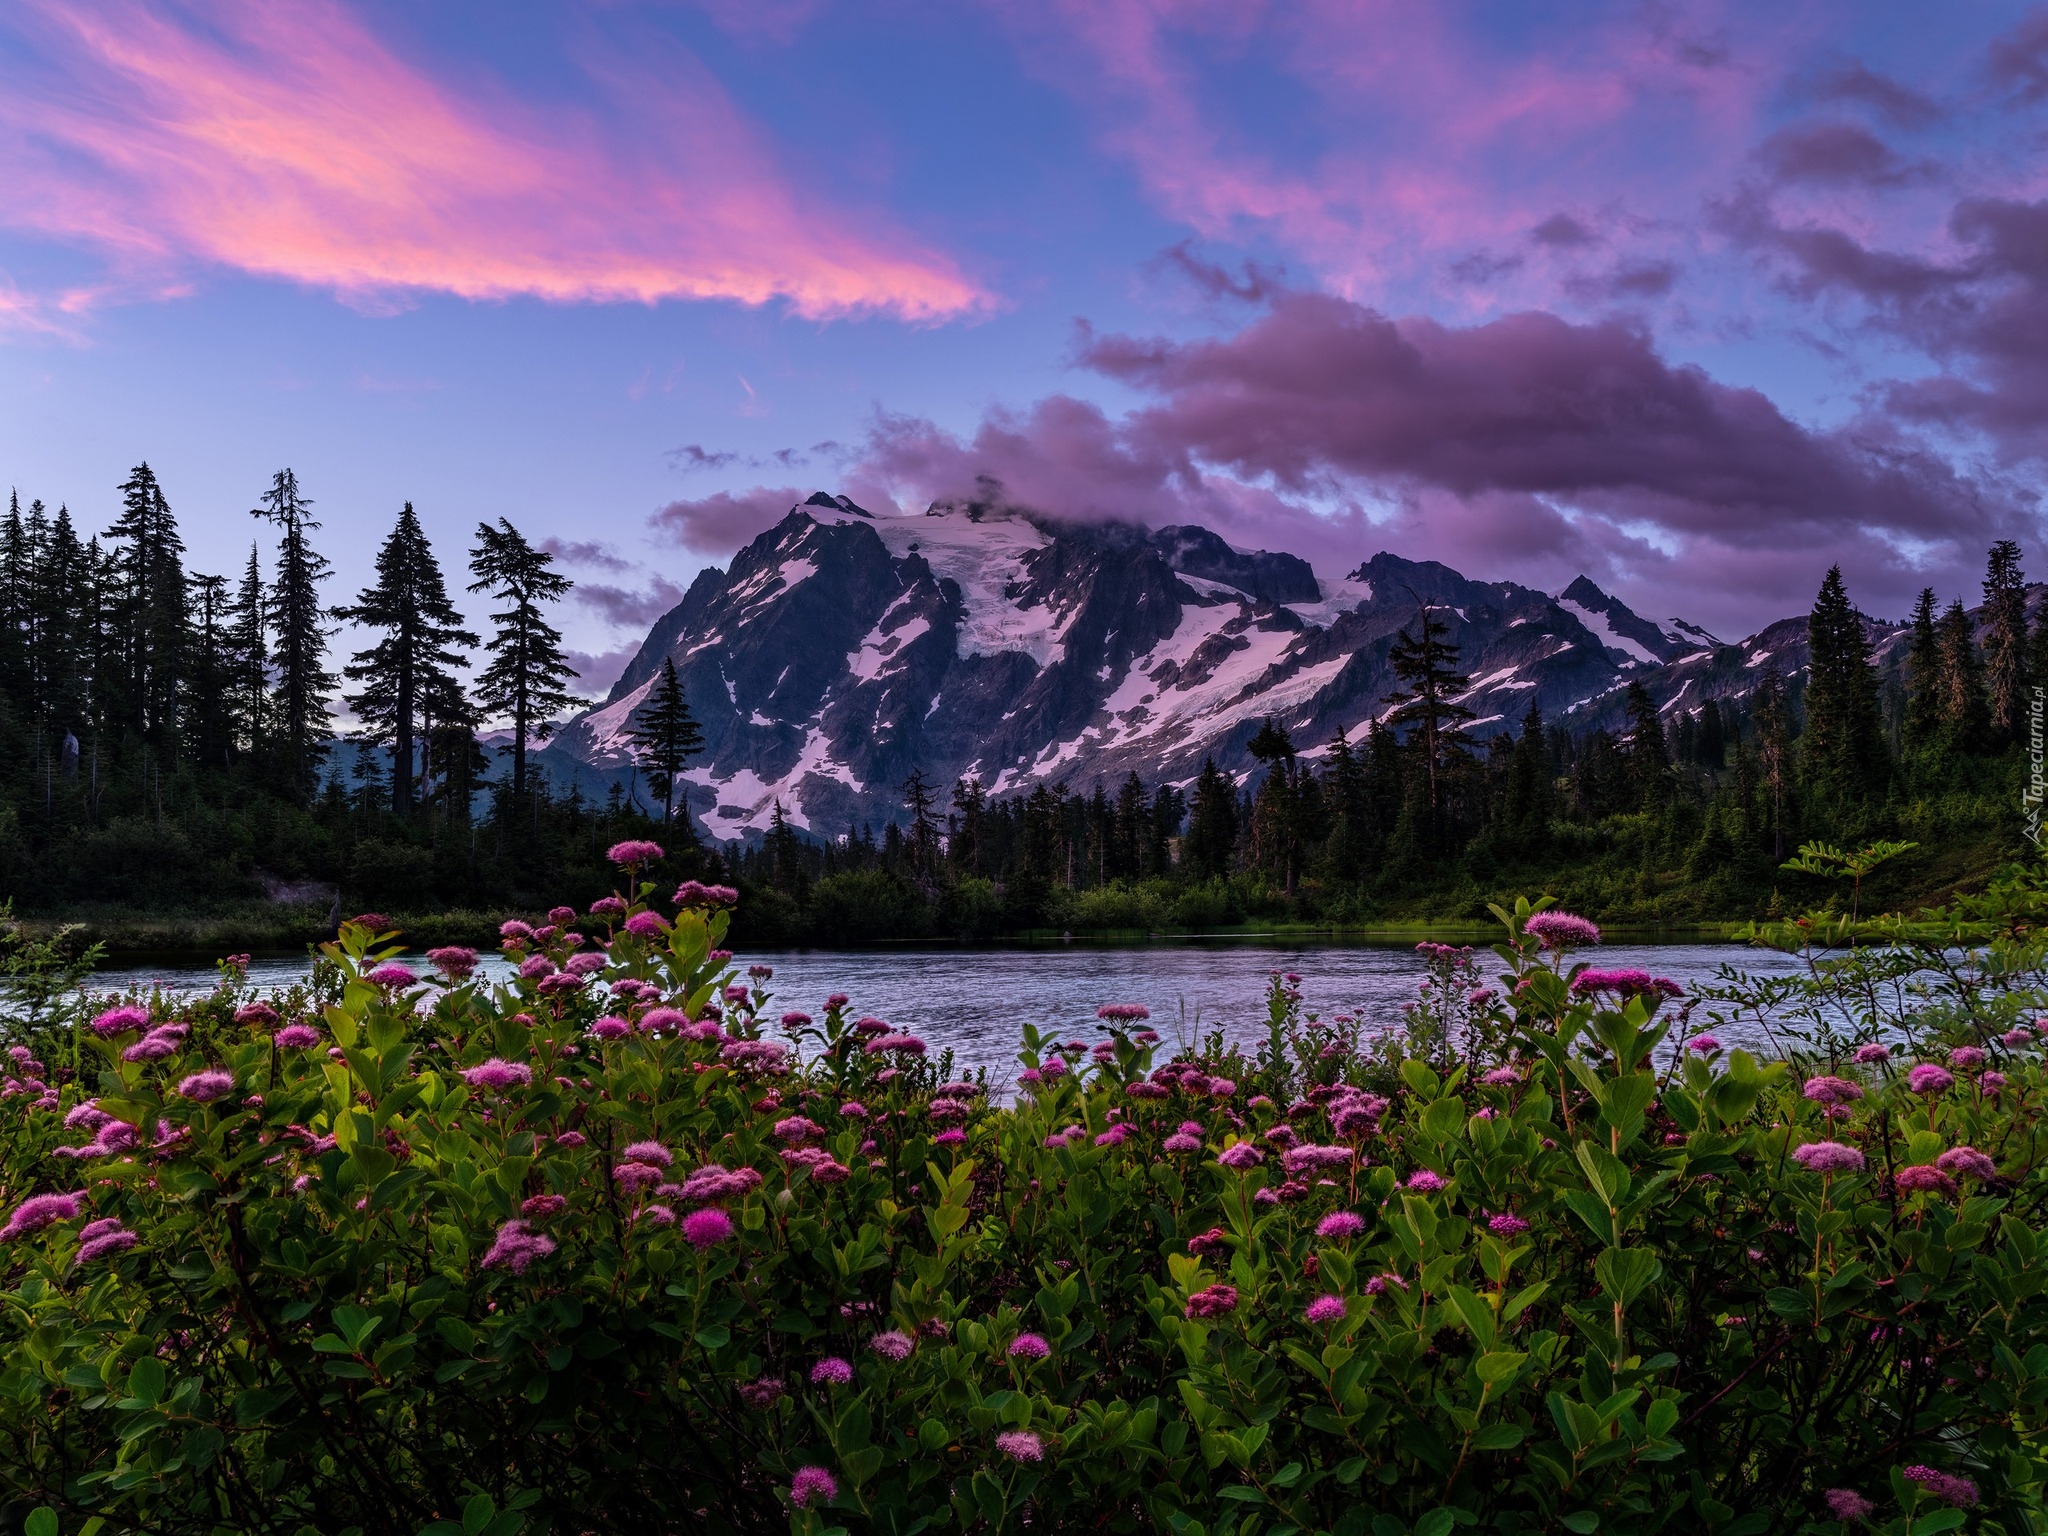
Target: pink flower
<point>1115,1136</point>
<point>1179,1142</point>
<point>1624,984</point>
<point>853,1109</point>
<point>660,1215</point>
<point>572,1139</point>
<point>646,925</point>
<point>499,1074</point>
<point>256,1015</point>
<point>97,1239</point>
<point>798,1128</point>
<point>516,1247</point>
<point>1966,1058</point>
<point>38,1212</point>
<point>1029,1346</point>
<point>608,906</point>
<point>2017,1038</point>
<point>794,1021</point>
<point>1831,1090</point>
<point>1021,1445</point>
<point>1927,1177</point>
<point>296,1037</point>
<point>1991,1082</point>
<point>1123,1013</point>
<point>1340,1225</point>
<point>118,1021</point>
<point>611,1027</point>
<point>812,1485</point>
<point>1213,1301</point>
<point>1560,930</point>
<point>648,1152</point>
<point>1828,1157</point>
<point>831,1372</point>
<point>1500,1077</point>
<point>656,1019</point>
<point>1506,1224</point>
<point>1846,1505</point>
<point>158,1045</point>
<point>1966,1163</point>
<point>826,1171</point>
<point>586,965</point>
<point>1325,1309</point>
<point>1703,1045</point>
<point>542,1207</point>
<point>634,1177</point>
<point>1241,1155</point>
<point>893,1345</point>
<point>1425,1179</point>
<point>633,853</point>
<point>391,976</point>
<point>1206,1244</point>
<point>205,1087</point>
<point>1873,1052</point>
<point>1946,1486</point>
<point>707,1227</point>
<point>908,1045</point>
<point>513,931</point>
<point>762,1394</point>
<point>1929,1079</point>
<point>692,894</point>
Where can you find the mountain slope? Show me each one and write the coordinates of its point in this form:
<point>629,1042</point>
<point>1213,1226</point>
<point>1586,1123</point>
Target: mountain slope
<point>840,651</point>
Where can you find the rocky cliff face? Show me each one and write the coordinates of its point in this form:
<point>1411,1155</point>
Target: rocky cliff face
<point>841,650</point>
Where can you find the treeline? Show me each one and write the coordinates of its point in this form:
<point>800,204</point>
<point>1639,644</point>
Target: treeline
<point>1680,816</point>
<point>167,736</point>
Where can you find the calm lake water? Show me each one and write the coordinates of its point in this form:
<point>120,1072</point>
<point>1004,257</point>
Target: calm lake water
<point>975,1001</point>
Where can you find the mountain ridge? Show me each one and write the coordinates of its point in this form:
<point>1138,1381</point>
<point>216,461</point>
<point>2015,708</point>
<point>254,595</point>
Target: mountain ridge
<point>841,650</point>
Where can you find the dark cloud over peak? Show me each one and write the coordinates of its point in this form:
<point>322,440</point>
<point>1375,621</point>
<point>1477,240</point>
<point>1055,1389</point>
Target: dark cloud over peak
<point>2017,61</point>
<point>1835,154</point>
<point>1900,106</point>
<point>1561,229</point>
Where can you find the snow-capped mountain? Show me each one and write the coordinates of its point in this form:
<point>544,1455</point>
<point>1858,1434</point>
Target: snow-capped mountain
<point>840,650</point>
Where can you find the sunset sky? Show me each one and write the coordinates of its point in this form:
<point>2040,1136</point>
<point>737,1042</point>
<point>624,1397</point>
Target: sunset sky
<point>1695,299</point>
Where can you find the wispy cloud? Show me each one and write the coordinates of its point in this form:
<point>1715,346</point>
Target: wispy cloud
<point>285,139</point>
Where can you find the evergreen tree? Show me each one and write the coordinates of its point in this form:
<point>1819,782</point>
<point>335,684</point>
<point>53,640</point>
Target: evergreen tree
<point>1965,716</point>
<point>63,594</point>
<point>1649,761</point>
<point>2005,642</point>
<point>1426,665</point>
<point>970,811</point>
<point>249,678</point>
<point>664,736</point>
<point>207,725</point>
<point>150,614</point>
<point>1344,793</point>
<point>17,560</point>
<point>1212,828</point>
<point>924,848</point>
<point>1923,676</point>
<point>525,677</point>
<point>299,715</point>
<point>1774,738</point>
<point>1843,742</point>
<point>410,669</point>
<point>1527,806</point>
<point>1169,810</point>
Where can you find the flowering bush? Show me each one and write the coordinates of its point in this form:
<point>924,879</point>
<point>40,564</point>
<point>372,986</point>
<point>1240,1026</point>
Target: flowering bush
<point>588,1250</point>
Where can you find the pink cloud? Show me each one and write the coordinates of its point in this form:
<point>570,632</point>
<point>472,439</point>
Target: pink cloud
<point>719,524</point>
<point>1410,139</point>
<point>288,141</point>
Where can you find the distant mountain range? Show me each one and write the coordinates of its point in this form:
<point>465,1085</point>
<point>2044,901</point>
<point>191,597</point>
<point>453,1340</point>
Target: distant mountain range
<point>841,650</point>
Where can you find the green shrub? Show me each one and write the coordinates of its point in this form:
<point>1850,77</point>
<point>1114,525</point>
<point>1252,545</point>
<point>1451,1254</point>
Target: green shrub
<point>393,1257</point>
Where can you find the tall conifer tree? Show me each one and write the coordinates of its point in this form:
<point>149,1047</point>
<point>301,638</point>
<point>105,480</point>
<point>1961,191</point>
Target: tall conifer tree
<point>410,671</point>
<point>524,680</point>
<point>299,620</point>
<point>1844,738</point>
<point>1923,675</point>
<point>664,736</point>
<point>150,616</point>
<point>2005,641</point>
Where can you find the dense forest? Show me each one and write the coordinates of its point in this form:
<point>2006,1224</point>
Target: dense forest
<point>169,743</point>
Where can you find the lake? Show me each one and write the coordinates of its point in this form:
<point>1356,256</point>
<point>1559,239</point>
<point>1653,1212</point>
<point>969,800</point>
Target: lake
<point>974,1001</point>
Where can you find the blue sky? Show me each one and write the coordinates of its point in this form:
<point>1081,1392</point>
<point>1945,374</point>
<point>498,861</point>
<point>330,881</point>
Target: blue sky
<point>1696,299</point>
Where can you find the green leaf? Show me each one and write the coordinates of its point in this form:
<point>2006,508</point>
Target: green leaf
<point>1582,1521</point>
<point>41,1521</point>
<point>1493,1369</point>
<point>146,1381</point>
<point>717,1336</point>
<point>1940,1520</point>
<point>1498,1437</point>
<point>477,1514</point>
<point>1437,1522</point>
<point>1625,1273</point>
